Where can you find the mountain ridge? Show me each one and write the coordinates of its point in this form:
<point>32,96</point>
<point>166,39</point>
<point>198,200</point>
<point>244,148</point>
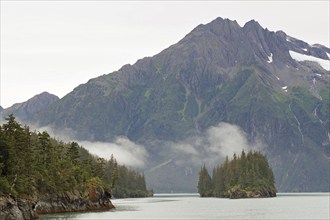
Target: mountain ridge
<point>23,111</point>
<point>219,72</point>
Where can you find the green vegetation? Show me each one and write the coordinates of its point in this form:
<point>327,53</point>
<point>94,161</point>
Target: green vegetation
<point>204,183</point>
<point>191,109</point>
<point>173,106</point>
<point>33,164</point>
<point>246,176</point>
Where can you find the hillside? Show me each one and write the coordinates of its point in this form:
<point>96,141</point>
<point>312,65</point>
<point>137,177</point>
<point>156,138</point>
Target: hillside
<point>248,77</point>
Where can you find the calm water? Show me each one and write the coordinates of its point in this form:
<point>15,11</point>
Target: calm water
<point>190,206</point>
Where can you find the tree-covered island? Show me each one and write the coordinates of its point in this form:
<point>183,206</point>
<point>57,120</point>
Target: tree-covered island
<point>39,174</point>
<point>245,176</point>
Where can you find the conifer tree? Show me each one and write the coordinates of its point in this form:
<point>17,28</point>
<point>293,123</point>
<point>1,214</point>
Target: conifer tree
<point>204,183</point>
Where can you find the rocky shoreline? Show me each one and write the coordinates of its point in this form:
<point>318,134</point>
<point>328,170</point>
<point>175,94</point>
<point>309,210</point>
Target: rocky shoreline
<point>25,209</point>
<point>236,193</point>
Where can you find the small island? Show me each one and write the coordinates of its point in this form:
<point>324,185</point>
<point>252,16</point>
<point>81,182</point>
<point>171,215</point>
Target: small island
<point>245,176</point>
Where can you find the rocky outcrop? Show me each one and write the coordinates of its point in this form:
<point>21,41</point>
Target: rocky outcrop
<point>237,193</point>
<point>20,209</point>
<point>11,208</point>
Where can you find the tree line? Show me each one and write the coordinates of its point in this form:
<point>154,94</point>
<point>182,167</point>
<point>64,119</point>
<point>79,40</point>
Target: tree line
<point>33,163</point>
<point>247,172</point>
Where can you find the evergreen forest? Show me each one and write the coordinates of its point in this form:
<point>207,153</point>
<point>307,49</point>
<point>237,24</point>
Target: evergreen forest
<point>247,175</point>
<point>33,163</point>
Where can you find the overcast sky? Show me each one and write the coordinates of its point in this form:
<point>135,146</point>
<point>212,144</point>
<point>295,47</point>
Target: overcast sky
<point>56,45</point>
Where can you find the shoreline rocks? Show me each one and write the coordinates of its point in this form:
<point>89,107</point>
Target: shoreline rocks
<point>237,193</point>
<point>25,209</point>
<point>11,208</point>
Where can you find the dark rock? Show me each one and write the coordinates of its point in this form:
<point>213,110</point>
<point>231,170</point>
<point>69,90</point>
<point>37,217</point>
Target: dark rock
<point>11,209</point>
<point>75,201</point>
<point>27,208</point>
<point>237,193</point>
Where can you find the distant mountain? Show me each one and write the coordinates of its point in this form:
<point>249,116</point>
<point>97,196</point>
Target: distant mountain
<point>266,83</point>
<point>25,110</point>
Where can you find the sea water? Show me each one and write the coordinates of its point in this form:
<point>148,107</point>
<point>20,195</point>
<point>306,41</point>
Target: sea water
<point>191,206</point>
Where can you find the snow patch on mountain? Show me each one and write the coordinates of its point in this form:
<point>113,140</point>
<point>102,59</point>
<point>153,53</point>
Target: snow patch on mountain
<point>325,64</point>
<point>270,58</point>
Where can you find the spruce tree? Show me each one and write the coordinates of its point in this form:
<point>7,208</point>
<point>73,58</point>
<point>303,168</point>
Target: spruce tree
<point>204,183</point>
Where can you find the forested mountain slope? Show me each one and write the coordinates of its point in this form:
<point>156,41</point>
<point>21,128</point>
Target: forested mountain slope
<point>247,76</point>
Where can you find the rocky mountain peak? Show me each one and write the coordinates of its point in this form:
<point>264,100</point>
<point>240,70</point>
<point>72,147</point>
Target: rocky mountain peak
<point>26,109</point>
<point>252,24</point>
<point>45,96</point>
<point>220,25</point>
<point>223,28</point>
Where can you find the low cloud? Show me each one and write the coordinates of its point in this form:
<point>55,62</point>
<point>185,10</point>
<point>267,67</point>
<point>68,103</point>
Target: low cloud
<point>125,151</point>
<point>65,134</point>
<point>182,147</point>
<point>213,145</point>
<point>226,139</point>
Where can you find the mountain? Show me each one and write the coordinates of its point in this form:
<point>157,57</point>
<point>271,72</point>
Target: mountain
<point>25,110</point>
<point>264,84</point>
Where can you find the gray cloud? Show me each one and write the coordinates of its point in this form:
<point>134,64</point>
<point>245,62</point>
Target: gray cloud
<point>226,139</point>
<point>213,145</point>
<point>64,134</point>
<point>125,151</point>
<point>183,147</point>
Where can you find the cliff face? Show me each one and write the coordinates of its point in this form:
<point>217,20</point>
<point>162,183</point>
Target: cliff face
<point>22,209</point>
<point>16,209</point>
